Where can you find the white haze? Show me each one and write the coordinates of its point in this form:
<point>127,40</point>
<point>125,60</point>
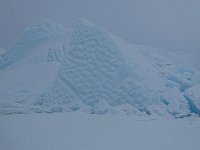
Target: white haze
<point>171,24</point>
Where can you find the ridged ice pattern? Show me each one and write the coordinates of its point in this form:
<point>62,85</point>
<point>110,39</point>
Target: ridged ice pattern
<point>94,69</point>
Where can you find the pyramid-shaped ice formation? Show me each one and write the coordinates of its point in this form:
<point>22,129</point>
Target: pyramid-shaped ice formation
<point>36,37</point>
<point>94,69</point>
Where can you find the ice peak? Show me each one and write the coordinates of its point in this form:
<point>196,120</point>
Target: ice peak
<point>84,22</point>
<point>43,29</point>
<point>33,37</point>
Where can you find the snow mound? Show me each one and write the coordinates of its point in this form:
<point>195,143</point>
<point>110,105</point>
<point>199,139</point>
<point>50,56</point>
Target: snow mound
<point>41,39</point>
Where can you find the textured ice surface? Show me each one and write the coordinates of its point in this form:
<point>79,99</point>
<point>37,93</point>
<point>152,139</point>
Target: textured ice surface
<point>99,66</point>
<point>53,70</point>
<point>94,69</point>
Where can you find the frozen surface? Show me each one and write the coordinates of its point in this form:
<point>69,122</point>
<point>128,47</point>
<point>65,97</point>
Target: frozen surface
<point>79,131</point>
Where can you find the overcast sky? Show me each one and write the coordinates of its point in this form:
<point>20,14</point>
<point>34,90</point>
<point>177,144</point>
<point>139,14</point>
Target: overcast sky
<point>169,24</point>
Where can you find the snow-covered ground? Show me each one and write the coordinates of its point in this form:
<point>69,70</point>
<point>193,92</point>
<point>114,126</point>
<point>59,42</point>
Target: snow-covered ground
<point>80,131</point>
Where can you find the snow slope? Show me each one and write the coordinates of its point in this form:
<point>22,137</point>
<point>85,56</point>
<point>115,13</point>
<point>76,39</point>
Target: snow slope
<point>21,87</point>
<point>79,131</point>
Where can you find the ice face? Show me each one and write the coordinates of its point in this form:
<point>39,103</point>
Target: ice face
<point>93,65</point>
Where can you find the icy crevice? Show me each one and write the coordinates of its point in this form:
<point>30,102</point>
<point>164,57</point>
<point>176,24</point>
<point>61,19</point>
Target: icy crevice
<point>183,84</point>
<point>192,107</point>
